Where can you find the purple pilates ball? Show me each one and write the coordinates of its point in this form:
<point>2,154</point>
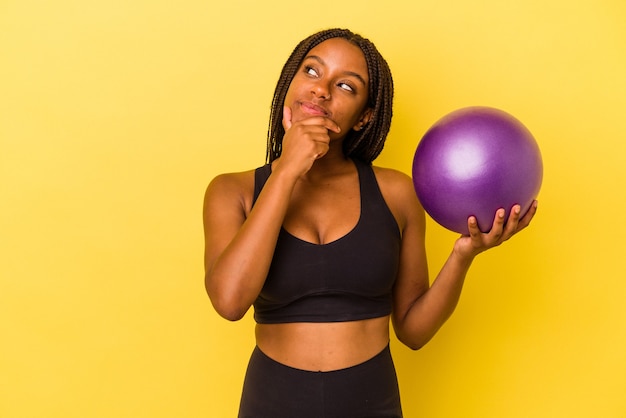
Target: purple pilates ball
<point>474,161</point>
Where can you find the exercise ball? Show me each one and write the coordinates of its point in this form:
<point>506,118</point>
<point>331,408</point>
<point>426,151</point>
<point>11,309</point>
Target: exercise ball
<point>474,161</point>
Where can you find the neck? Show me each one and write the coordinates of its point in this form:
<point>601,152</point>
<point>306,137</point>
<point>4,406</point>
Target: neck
<point>330,165</point>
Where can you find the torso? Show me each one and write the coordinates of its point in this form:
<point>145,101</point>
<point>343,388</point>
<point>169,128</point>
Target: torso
<point>323,346</point>
<point>322,212</point>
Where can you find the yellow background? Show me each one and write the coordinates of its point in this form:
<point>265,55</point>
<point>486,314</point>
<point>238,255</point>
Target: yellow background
<point>115,115</point>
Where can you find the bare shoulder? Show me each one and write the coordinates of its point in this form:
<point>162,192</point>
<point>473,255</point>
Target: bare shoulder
<point>231,189</point>
<point>392,178</point>
<point>399,193</point>
<point>394,184</point>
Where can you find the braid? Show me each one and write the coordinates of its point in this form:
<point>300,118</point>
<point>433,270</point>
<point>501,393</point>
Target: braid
<point>366,144</point>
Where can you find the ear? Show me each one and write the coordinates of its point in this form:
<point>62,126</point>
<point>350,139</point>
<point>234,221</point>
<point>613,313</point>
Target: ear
<point>366,116</point>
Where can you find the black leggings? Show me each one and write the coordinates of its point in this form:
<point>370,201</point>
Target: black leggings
<point>367,390</point>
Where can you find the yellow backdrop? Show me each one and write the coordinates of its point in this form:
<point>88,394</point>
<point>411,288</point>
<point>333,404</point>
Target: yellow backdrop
<point>115,115</point>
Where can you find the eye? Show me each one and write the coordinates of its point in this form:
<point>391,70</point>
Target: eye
<point>310,71</point>
<point>346,87</point>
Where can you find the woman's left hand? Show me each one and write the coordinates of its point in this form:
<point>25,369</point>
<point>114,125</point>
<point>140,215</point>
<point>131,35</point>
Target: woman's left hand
<point>477,241</point>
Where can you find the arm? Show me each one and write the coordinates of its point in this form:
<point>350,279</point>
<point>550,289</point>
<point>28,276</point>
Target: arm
<point>419,309</point>
<point>239,247</point>
<point>239,243</point>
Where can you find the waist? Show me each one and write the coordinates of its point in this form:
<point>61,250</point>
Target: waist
<point>323,346</point>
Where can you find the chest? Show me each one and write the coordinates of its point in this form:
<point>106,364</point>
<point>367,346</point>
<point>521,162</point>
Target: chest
<point>323,213</point>
<point>347,279</point>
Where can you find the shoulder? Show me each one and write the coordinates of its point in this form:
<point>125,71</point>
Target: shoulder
<point>241,179</point>
<point>230,189</point>
<point>394,184</point>
<point>399,193</point>
<point>392,178</point>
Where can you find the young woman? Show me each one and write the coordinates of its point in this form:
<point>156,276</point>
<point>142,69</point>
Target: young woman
<point>328,248</point>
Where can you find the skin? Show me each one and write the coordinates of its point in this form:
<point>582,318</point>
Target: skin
<point>313,192</point>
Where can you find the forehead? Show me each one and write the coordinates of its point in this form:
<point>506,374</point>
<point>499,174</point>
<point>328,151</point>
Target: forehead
<point>343,54</point>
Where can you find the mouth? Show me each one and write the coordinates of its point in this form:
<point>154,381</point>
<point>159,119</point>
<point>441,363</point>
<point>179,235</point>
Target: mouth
<point>313,109</point>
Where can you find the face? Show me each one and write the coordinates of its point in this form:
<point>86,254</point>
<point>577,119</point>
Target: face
<point>332,81</point>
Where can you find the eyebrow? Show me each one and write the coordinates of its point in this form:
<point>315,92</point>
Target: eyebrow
<point>348,73</point>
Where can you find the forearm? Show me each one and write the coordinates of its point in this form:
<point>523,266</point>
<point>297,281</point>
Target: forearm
<point>235,277</point>
<point>433,308</point>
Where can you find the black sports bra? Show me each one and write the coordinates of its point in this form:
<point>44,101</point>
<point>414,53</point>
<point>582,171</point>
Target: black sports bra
<point>345,280</point>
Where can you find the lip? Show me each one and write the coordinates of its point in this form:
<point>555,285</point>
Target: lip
<point>313,109</point>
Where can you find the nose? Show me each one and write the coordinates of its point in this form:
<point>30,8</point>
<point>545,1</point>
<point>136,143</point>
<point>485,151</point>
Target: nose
<point>321,90</point>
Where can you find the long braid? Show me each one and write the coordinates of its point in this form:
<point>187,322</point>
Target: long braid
<point>366,144</point>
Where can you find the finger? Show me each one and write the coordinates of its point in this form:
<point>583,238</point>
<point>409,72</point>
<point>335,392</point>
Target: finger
<point>326,123</point>
<point>322,148</point>
<point>528,216</point>
<point>512,223</point>
<point>331,125</point>
<point>286,117</point>
<point>472,226</point>
<point>498,225</point>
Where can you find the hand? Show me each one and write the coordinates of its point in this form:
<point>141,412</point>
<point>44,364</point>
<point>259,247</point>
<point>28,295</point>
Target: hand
<point>305,141</point>
<point>477,241</point>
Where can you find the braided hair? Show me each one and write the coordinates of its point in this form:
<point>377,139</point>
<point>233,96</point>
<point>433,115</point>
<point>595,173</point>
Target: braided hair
<point>365,144</point>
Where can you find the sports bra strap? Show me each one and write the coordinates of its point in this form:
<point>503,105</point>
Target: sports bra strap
<point>261,175</point>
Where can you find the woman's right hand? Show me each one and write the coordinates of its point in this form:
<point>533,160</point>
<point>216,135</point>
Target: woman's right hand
<point>304,142</point>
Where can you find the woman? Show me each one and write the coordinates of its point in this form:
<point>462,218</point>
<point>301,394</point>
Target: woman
<point>327,247</point>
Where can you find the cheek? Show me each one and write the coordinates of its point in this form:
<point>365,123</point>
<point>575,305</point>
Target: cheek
<point>347,122</point>
<point>293,92</point>
<point>352,119</point>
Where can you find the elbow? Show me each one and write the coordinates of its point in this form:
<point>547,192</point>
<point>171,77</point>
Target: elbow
<point>232,315</point>
<point>230,311</point>
<point>414,336</point>
<point>413,340</point>
<point>227,306</point>
<point>413,344</point>
<point>415,347</point>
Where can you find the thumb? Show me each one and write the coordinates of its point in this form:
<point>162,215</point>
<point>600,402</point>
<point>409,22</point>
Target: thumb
<point>286,117</point>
